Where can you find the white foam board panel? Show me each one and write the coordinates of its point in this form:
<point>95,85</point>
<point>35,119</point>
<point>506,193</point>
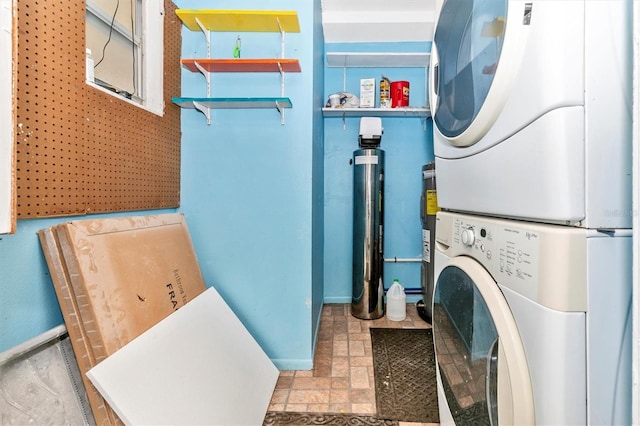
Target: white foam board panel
<point>199,365</point>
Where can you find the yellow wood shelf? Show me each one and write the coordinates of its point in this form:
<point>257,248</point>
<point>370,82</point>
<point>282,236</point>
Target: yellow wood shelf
<point>242,65</point>
<point>240,20</point>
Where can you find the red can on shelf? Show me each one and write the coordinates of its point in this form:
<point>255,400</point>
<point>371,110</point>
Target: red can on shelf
<point>399,94</point>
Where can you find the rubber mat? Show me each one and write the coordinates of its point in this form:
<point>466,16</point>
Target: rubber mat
<point>476,414</point>
<point>405,374</point>
<point>277,418</point>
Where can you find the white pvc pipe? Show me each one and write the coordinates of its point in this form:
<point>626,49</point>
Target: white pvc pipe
<point>403,260</point>
<point>635,367</point>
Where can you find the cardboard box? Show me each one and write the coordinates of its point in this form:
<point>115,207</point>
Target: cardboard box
<point>116,278</point>
<point>129,273</point>
<point>102,413</point>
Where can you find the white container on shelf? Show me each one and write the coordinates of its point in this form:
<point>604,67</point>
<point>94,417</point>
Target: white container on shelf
<point>367,92</point>
<point>396,302</point>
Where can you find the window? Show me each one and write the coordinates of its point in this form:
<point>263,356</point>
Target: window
<point>124,38</point>
<point>6,117</point>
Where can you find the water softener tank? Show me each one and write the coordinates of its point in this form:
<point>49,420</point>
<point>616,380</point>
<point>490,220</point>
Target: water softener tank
<point>428,210</point>
<point>368,184</point>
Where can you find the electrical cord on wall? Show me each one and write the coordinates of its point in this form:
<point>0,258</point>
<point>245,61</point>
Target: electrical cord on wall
<point>104,48</point>
<point>122,93</point>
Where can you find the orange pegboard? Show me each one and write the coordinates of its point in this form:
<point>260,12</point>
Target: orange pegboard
<point>80,150</point>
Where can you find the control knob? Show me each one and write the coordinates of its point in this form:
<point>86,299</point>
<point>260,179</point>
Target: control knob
<point>468,237</point>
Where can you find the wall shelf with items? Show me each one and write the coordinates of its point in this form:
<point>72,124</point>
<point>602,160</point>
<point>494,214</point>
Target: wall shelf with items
<point>377,112</point>
<point>378,60</point>
<point>209,21</point>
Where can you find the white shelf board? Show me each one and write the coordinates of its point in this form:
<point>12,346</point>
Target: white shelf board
<point>378,60</point>
<point>198,366</point>
<point>377,112</point>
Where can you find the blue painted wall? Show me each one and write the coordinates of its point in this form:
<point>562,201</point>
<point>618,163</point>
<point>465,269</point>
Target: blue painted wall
<point>408,145</point>
<point>28,305</point>
<point>252,188</point>
<point>268,205</point>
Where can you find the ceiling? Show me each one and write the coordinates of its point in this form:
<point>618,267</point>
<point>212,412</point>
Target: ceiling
<point>362,21</point>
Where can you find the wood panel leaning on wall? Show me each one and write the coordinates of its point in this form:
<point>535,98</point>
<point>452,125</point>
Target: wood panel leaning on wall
<point>80,150</point>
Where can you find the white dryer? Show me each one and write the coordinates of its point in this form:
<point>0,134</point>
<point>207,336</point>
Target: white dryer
<point>531,323</point>
<point>531,105</point>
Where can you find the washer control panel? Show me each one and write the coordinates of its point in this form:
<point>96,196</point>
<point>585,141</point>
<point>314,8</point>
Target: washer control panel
<point>543,262</point>
<point>518,254</point>
<point>508,252</point>
<point>473,239</point>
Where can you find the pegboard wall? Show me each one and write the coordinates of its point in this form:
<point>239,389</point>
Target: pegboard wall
<point>79,150</point>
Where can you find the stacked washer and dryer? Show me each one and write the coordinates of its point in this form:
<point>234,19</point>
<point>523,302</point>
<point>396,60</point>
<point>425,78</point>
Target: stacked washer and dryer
<point>531,104</point>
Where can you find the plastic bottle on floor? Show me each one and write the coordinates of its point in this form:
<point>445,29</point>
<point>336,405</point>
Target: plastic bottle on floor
<point>396,302</point>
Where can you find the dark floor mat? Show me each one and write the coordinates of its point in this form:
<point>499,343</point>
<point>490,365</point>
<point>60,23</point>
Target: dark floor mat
<point>277,418</point>
<point>405,374</point>
<point>474,415</point>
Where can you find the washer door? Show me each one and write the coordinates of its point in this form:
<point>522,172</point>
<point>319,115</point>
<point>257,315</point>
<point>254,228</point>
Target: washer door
<point>476,51</point>
<point>481,362</point>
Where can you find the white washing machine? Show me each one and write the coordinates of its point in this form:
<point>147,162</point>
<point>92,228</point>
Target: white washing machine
<point>532,323</point>
<point>531,105</point>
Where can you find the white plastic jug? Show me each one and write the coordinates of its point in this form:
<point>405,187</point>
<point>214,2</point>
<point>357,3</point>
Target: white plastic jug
<point>396,302</point>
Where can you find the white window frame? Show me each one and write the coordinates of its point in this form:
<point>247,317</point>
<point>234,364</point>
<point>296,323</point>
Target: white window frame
<point>151,67</point>
<point>6,117</point>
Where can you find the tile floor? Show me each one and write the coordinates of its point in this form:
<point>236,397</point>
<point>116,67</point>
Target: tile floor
<point>341,380</point>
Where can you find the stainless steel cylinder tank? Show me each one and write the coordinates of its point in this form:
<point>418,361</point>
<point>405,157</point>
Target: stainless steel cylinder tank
<point>368,190</point>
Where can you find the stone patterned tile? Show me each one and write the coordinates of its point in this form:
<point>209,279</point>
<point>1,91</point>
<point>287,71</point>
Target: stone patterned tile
<point>340,367</point>
<point>322,371</point>
<point>337,396</point>
<point>368,351</point>
<point>279,396</point>
<point>296,408</point>
<point>356,348</point>
<point>360,361</point>
<point>321,360</point>
<point>363,408</point>
<point>363,396</point>
<point>317,408</point>
<point>340,408</point>
<point>360,378</point>
<point>341,380</point>
<point>284,382</point>
<point>311,383</point>
<point>304,373</point>
<point>308,396</point>
<point>354,327</point>
<point>341,336</point>
<point>365,336</point>
<point>340,348</point>
<point>324,348</point>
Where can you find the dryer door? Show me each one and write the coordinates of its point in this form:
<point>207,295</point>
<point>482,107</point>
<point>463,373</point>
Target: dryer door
<point>475,55</point>
<point>481,362</point>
